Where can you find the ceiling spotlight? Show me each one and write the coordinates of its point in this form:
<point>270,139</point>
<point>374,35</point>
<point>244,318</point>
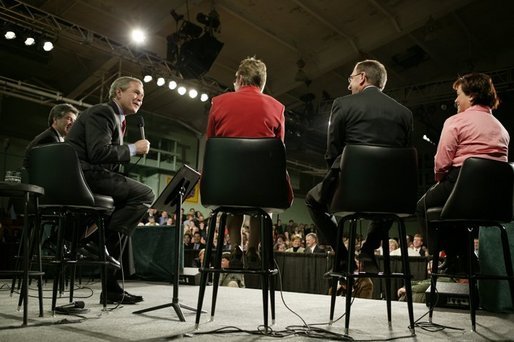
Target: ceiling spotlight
<point>138,36</point>
<point>48,46</point>
<point>147,78</point>
<point>30,41</point>
<point>10,34</point>
<point>181,90</point>
<point>161,81</point>
<point>172,85</point>
<point>204,97</point>
<point>193,93</point>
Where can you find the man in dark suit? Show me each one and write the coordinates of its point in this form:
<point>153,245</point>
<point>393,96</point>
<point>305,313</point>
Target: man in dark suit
<point>97,136</point>
<point>311,244</point>
<point>60,120</point>
<point>370,117</point>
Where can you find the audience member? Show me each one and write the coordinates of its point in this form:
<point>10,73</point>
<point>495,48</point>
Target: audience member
<point>151,212</point>
<point>281,247</point>
<point>230,279</point>
<point>163,219</point>
<point>296,245</point>
<point>311,244</point>
<point>197,241</point>
<point>472,132</point>
<point>188,244</point>
<point>417,245</point>
<point>151,221</point>
<point>367,116</point>
<point>393,245</point>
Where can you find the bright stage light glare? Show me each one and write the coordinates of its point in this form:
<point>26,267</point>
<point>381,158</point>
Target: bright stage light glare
<point>181,90</point>
<point>138,36</point>
<point>172,85</point>
<point>161,81</point>
<point>204,97</point>
<point>30,41</point>
<point>10,35</point>
<point>147,78</point>
<point>48,46</point>
<point>193,93</point>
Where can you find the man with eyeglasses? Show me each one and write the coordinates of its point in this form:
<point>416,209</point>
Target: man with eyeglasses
<point>367,117</point>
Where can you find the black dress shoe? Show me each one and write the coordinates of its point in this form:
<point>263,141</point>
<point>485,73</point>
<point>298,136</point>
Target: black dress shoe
<point>118,298</point>
<point>91,252</point>
<point>136,297</point>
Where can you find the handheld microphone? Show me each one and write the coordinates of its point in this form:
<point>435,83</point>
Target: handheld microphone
<point>73,305</point>
<point>141,125</point>
<point>73,308</point>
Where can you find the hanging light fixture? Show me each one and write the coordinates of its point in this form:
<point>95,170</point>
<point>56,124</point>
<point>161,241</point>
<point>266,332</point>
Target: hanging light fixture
<point>204,97</point>
<point>161,81</point>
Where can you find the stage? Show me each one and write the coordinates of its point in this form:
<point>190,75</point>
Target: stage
<point>236,309</point>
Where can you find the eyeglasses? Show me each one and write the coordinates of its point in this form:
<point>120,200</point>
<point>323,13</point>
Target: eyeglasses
<point>352,76</point>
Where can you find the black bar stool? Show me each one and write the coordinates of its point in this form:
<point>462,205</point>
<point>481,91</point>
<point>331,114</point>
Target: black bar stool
<point>243,176</point>
<point>376,183</point>
<point>56,167</point>
<point>482,198</point>
<point>30,194</point>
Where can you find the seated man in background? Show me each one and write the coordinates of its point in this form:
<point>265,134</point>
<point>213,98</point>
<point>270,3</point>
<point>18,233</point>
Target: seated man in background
<point>311,244</point>
<point>60,121</point>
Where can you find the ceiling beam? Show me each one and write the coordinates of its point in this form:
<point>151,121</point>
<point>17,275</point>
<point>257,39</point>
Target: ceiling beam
<point>329,25</point>
<point>94,78</point>
<point>257,27</point>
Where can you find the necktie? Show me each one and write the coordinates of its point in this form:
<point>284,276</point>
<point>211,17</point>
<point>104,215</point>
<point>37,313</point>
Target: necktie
<point>123,127</point>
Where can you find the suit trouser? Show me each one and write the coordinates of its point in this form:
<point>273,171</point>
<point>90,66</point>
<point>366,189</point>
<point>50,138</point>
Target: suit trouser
<point>318,200</point>
<point>131,198</point>
<point>131,201</point>
<point>437,196</point>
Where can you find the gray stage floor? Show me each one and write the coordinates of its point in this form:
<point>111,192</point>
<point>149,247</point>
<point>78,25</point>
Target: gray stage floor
<point>238,308</point>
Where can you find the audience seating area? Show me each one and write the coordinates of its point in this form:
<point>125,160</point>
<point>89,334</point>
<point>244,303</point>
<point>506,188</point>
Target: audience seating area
<point>152,249</point>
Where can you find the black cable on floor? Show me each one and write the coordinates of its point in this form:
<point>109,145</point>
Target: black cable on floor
<point>430,326</point>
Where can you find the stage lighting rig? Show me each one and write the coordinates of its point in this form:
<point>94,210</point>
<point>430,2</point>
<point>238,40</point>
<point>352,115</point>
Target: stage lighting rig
<point>193,49</point>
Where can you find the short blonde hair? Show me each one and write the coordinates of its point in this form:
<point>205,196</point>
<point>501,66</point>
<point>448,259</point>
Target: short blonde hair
<point>252,72</point>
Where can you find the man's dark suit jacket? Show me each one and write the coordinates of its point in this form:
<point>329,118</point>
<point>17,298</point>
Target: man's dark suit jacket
<point>97,138</point>
<point>317,249</point>
<point>370,118</point>
<point>48,136</point>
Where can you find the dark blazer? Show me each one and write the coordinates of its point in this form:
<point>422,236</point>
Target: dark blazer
<point>48,136</point>
<point>100,146</point>
<point>369,117</point>
<point>317,249</point>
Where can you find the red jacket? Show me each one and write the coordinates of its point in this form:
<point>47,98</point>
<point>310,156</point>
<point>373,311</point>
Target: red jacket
<point>246,113</point>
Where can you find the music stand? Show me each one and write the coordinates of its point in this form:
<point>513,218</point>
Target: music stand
<point>171,198</point>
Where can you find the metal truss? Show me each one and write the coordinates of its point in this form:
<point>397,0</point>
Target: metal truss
<point>24,15</point>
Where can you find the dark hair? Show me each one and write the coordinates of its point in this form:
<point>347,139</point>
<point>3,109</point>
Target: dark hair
<point>480,88</point>
<point>59,111</point>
